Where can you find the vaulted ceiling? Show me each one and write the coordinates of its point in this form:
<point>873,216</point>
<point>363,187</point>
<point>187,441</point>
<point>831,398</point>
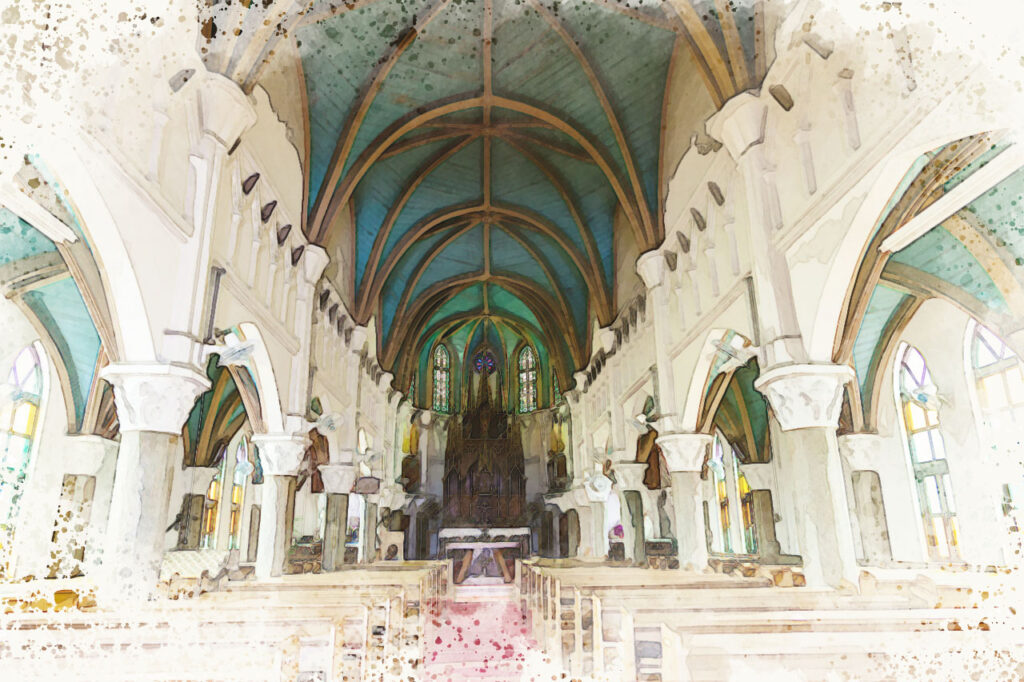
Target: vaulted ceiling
<point>482,152</point>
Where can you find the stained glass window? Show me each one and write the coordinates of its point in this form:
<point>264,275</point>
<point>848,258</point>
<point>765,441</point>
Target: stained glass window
<point>527,380</point>
<point>919,403</point>
<point>211,504</point>
<point>735,530</point>
<point>999,380</point>
<point>556,390</point>
<point>717,465</point>
<point>483,363</point>
<point>442,379</point>
<point>241,476</point>
<point>19,417</point>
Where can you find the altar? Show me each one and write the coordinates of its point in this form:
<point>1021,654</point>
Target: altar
<point>483,556</point>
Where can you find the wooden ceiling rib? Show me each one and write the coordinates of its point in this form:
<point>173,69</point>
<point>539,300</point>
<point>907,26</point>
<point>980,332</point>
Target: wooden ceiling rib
<point>411,98</point>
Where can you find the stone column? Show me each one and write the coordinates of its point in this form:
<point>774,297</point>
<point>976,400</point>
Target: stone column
<point>652,268</point>
<point>684,455</point>
<point>338,481</point>
<point>631,479</point>
<point>153,402</point>
<point>280,455</point>
<point>865,458</point>
<point>581,504</point>
<point>806,400</point>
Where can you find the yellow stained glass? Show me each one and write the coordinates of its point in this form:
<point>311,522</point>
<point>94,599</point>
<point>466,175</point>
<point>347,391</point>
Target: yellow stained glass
<point>954,530</point>
<point>939,528</point>
<point>915,417</point>
<point>213,492</point>
<point>24,419</point>
<point>236,494</point>
<point>994,390</point>
<point>744,486</point>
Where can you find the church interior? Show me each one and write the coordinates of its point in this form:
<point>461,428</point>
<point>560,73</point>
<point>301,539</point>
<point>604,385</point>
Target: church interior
<point>511,339</point>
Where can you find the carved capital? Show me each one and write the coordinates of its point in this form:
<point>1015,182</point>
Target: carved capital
<point>280,454</point>
<point>581,380</point>
<point>314,260</point>
<point>805,396</point>
<point>224,110</point>
<point>338,478</point>
<point>739,124</point>
<point>651,267</point>
<point>579,497</point>
<point>862,451</point>
<point>630,474</point>
<point>684,451</point>
<point>154,397</point>
<point>357,339</point>
<point>385,379</point>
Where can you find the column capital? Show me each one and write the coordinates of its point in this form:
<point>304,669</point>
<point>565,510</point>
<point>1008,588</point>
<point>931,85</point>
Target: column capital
<point>630,474</point>
<point>684,451</point>
<point>805,396</point>
<point>225,112</point>
<point>581,380</point>
<point>280,453</point>
<point>338,478</point>
<point>740,123</point>
<point>651,267</point>
<point>606,335</point>
<point>153,396</point>
<point>314,260</point>
<point>862,451</point>
<point>357,337</point>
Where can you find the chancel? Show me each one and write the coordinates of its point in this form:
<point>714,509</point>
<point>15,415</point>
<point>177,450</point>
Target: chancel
<point>511,339</point>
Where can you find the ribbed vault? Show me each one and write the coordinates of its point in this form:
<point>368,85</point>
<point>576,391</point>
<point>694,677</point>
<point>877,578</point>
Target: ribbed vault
<point>488,146</point>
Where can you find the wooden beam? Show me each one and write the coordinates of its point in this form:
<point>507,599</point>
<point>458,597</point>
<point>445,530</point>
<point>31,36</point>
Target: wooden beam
<point>365,101</point>
<point>613,121</point>
<point>733,45</point>
<point>372,263</point>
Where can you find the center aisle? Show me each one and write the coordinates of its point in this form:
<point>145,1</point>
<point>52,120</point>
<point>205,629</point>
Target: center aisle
<point>481,640</point>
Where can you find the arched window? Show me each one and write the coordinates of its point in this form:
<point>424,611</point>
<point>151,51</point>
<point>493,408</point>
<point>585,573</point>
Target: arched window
<point>241,476</point>
<point>527,380</point>
<point>211,504</point>
<point>919,402</point>
<point>733,524</point>
<point>19,419</point>
<point>442,378</point>
<point>556,390</point>
<point>999,379</point>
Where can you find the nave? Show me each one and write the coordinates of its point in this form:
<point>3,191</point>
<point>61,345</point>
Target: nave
<point>583,339</point>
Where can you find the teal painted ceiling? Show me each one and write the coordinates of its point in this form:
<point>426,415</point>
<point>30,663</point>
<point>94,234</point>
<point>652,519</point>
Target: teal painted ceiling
<point>882,306</point>
<point>483,149</point>
<point>55,302</point>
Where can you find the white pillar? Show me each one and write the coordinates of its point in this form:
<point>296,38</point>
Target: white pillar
<point>153,401</point>
<point>652,267</point>
<point>280,455</point>
<point>806,401</point>
<point>631,478</point>
<point>684,455</point>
